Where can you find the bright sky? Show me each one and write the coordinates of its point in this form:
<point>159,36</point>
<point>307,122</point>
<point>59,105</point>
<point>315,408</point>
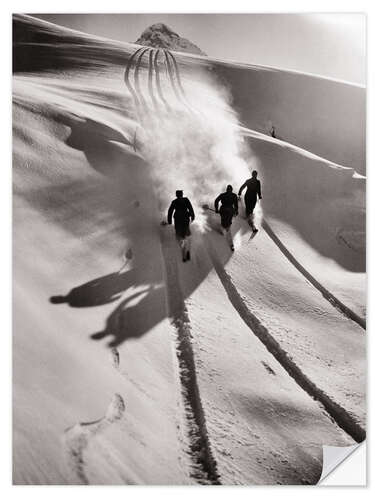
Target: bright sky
<point>332,45</point>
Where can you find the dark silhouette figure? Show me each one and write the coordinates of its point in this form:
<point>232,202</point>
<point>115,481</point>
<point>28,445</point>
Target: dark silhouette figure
<point>253,191</point>
<point>228,209</point>
<point>97,292</point>
<point>273,132</point>
<point>129,321</point>
<point>182,212</point>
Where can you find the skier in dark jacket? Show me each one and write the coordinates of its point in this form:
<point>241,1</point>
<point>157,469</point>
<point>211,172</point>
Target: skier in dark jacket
<point>253,191</point>
<point>182,212</point>
<point>228,209</point>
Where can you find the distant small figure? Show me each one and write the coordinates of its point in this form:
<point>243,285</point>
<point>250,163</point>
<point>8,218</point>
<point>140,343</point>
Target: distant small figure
<point>273,132</point>
<point>182,212</point>
<point>126,257</point>
<point>129,254</point>
<point>228,210</point>
<point>252,192</point>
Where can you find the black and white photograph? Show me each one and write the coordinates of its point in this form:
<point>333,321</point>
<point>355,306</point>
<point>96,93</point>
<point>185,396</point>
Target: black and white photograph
<point>189,247</point>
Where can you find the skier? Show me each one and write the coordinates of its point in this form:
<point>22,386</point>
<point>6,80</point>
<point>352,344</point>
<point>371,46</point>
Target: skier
<point>182,212</point>
<point>253,190</point>
<point>228,209</point>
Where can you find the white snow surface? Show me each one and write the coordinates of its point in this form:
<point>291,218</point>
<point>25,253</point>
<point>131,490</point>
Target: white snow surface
<point>132,367</point>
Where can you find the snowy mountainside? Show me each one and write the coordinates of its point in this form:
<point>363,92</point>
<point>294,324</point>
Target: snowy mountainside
<point>230,369</point>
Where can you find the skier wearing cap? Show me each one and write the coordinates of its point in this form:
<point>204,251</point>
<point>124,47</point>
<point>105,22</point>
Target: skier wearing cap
<point>228,210</point>
<point>182,212</point>
<point>253,192</point>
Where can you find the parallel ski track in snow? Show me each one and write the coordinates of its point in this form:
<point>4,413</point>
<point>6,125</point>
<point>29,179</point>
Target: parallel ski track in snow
<point>137,84</point>
<point>158,81</point>
<point>334,301</point>
<point>337,412</point>
<point>170,66</point>
<point>204,467</point>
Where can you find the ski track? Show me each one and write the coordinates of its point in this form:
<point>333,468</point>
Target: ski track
<point>158,82</point>
<point>204,467</point>
<point>127,80</point>
<point>171,78</point>
<point>338,413</point>
<point>136,79</point>
<point>203,464</point>
<point>150,82</point>
<point>78,437</point>
<point>334,301</point>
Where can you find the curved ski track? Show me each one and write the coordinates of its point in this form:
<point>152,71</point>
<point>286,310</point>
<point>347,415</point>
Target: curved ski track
<point>171,69</point>
<point>338,413</point>
<point>203,464</point>
<point>340,306</point>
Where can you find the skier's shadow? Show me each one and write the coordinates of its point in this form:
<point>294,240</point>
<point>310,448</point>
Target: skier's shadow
<point>127,320</point>
<point>97,292</point>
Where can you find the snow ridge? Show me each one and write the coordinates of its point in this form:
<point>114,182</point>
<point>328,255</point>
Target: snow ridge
<point>204,467</point>
<point>341,416</point>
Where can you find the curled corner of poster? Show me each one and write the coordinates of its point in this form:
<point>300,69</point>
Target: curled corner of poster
<point>344,465</point>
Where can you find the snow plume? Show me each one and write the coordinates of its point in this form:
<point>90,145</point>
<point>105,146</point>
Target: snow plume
<point>195,146</point>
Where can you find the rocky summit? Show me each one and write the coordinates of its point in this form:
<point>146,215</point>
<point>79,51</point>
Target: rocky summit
<point>161,36</point>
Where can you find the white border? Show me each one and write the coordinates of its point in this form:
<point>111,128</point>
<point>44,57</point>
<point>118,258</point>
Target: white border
<point>111,6</point>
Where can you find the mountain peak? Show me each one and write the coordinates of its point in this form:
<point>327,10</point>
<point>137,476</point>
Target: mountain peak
<point>159,35</point>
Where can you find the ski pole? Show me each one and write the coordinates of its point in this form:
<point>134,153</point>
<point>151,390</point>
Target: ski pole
<point>206,207</point>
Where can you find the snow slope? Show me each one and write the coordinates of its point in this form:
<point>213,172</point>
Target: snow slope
<point>231,369</point>
<point>324,116</point>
